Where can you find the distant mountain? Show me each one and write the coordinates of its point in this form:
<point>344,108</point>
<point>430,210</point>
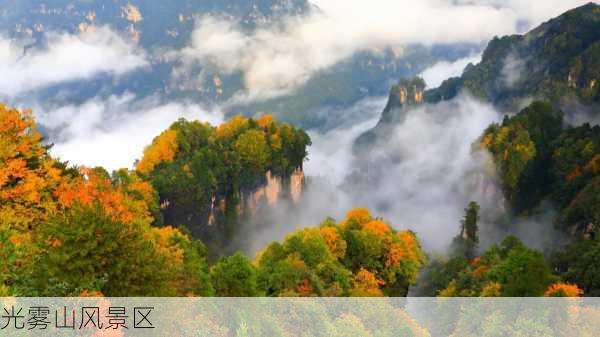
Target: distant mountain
<point>158,26</point>
<point>558,62</point>
<point>153,23</point>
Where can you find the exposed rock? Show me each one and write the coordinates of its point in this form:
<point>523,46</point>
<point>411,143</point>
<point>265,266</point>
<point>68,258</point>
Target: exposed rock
<point>403,96</point>
<point>296,184</point>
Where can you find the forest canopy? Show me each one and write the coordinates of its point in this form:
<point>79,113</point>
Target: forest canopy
<point>69,231</point>
<point>202,173</point>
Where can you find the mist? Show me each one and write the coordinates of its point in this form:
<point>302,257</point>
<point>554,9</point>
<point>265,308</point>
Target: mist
<point>277,59</point>
<point>420,177</point>
<point>65,57</point>
<point>441,71</point>
<point>112,132</point>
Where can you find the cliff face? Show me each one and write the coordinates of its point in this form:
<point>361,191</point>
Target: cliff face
<point>403,96</point>
<point>268,193</point>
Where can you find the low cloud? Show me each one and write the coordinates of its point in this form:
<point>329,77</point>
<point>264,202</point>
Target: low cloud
<point>420,177</point>
<point>441,71</point>
<point>65,57</point>
<point>426,171</point>
<point>512,69</point>
<point>113,132</point>
<point>278,59</point>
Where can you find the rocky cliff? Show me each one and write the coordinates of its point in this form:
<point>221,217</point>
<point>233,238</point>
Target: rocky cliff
<point>403,96</point>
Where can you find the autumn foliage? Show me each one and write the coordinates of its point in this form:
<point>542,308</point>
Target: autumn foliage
<point>563,290</point>
<point>78,231</point>
<point>70,231</point>
<point>360,256</point>
<point>162,149</point>
<point>202,173</point>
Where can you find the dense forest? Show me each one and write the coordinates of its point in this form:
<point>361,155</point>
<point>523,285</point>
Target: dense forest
<point>205,176</point>
<point>71,230</point>
<point>165,227</point>
<point>557,62</point>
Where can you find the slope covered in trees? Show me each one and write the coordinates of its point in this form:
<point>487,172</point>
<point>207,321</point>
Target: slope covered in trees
<point>562,167</point>
<point>67,231</point>
<point>557,62</point>
<point>360,256</point>
<point>538,159</point>
<point>204,175</point>
<point>79,231</point>
<point>508,268</point>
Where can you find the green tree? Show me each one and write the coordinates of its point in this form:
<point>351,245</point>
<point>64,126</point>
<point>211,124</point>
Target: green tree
<point>522,272</point>
<point>466,242</point>
<point>84,249</point>
<point>234,276</point>
<point>360,255</point>
<point>579,263</point>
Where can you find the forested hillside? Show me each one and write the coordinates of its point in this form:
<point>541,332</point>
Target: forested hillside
<point>557,62</point>
<point>545,166</point>
<point>209,179</point>
<point>74,231</point>
<point>538,159</point>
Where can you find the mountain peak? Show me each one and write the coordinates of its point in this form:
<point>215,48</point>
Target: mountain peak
<point>556,61</point>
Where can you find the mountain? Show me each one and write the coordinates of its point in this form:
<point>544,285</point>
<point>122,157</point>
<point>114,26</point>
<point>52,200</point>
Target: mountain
<point>405,95</point>
<point>548,168</point>
<point>559,61</point>
<point>151,23</point>
<point>155,27</point>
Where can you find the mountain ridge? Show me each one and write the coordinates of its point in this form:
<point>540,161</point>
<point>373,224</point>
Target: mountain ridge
<point>558,62</point>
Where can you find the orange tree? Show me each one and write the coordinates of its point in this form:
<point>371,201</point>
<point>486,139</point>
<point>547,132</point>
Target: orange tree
<point>360,256</point>
<point>65,231</point>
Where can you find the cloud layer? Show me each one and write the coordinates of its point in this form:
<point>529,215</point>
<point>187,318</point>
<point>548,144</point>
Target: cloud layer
<point>65,57</point>
<point>113,132</point>
<point>421,176</point>
<point>441,71</point>
<point>276,60</point>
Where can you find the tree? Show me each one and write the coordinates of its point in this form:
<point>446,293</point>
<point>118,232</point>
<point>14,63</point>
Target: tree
<point>522,273</point>
<point>563,290</point>
<point>254,152</point>
<point>201,173</point>
<point>465,243</point>
<point>506,269</point>
<point>579,264</point>
<point>162,149</point>
<point>28,179</point>
<point>359,256</point>
<point>86,249</point>
<point>234,276</point>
